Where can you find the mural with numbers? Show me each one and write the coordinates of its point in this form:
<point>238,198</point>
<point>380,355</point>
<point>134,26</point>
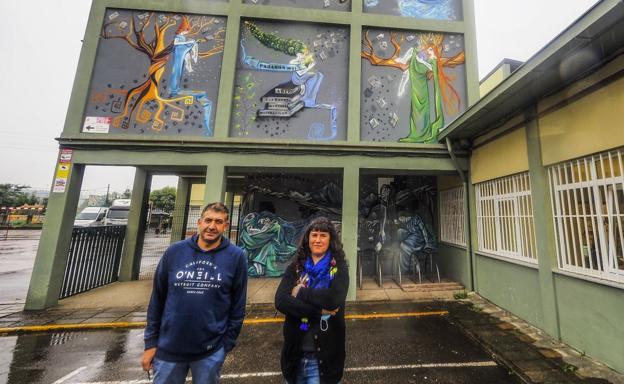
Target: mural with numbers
<point>155,73</point>
<point>291,81</point>
<point>421,9</point>
<point>333,5</point>
<point>413,84</point>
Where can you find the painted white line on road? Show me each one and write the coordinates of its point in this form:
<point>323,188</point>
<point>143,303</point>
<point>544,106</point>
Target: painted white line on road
<point>70,375</point>
<point>470,364</point>
<point>419,366</point>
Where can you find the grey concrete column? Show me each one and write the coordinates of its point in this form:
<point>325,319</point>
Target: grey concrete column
<point>47,276</point>
<point>544,225</point>
<point>135,230</point>
<point>350,199</point>
<point>180,211</point>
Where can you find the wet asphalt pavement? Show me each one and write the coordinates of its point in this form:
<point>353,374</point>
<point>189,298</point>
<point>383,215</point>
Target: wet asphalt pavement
<point>394,350</point>
<point>17,256</point>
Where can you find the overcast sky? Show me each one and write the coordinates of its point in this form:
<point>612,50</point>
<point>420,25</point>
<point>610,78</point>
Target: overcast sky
<point>40,41</point>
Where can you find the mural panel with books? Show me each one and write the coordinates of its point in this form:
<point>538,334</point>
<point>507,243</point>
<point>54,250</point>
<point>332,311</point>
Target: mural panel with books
<point>291,82</point>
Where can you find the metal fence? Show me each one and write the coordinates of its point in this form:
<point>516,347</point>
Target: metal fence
<point>94,256</point>
<point>158,238</point>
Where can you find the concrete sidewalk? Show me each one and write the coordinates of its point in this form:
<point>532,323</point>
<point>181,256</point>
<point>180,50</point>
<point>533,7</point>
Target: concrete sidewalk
<point>523,349</point>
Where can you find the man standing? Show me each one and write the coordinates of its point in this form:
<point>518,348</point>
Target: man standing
<point>198,303</point>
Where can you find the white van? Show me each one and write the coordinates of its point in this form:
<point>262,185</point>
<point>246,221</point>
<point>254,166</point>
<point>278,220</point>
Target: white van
<point>118,212</point>
<point>91,217</point>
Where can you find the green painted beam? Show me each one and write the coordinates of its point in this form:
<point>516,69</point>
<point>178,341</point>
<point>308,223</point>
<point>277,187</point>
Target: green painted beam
<point>544,225</point>
<point>47,275</point>
<point>135,230</point>
<point>192,160</point>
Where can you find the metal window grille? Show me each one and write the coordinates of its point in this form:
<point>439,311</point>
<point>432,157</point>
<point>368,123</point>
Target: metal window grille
<point>588,208</point>
<point>505,218</point>
<point>452,229</point>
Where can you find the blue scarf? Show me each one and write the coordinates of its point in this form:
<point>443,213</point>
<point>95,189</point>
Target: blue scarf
<point>318,274</point>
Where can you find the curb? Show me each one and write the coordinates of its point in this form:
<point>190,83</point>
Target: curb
<point>141,324</point>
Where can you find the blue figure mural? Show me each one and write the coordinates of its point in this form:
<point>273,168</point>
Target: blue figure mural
<point>185,53</point>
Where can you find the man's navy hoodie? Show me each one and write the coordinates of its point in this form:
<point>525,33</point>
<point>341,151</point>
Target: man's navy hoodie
<point>198,301</point>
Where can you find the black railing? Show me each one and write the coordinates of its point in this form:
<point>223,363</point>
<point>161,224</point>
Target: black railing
<point>93,260</point>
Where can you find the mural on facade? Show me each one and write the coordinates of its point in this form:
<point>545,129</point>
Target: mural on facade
<point>397,216</point>
<point>422,9</point>
<point>274,214</point>
<point>412,84</point>
<point>291,82</point>
<point>156,73</point>
<point>333,5</point>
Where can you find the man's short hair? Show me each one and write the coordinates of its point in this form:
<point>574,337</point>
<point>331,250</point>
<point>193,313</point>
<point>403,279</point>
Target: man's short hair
<point>216,207</point>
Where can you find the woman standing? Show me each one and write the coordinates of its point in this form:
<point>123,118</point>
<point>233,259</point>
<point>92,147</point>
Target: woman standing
<point>312,295</point>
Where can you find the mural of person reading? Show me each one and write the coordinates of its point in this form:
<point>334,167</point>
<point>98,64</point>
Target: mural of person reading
<point>288,98</point>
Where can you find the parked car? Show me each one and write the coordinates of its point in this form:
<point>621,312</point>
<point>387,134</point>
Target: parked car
<point>90,217</point>
<point>118,212</point>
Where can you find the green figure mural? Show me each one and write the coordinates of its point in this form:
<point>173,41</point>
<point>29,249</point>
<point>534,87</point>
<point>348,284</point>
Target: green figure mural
<point>431,91</point>
<point>269,241</point>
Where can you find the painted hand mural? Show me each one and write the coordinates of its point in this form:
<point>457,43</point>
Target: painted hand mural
<point>174,91</point>
<point>281,78</point>
<point>425,73</point>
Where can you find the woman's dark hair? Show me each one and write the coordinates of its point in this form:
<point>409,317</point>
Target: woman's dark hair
<point>321,224</point>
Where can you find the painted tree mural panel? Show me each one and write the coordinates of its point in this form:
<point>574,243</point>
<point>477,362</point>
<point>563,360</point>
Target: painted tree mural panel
<point>291,82</point>
<point>333,5</point>
<point>156,73</point>
<point>420,9</point>
<point>413,84</point>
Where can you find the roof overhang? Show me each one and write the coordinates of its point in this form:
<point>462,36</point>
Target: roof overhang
<point>588,44</point>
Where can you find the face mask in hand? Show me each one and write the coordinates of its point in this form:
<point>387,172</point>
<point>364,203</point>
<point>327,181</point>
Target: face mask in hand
<point>324,319</point>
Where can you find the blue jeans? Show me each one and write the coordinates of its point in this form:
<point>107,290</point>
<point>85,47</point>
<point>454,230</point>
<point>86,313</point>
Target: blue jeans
<point>205,371</point>
<point>308,372</point>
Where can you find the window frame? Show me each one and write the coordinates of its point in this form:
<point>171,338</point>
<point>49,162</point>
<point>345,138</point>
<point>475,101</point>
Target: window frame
<point>505,223</point>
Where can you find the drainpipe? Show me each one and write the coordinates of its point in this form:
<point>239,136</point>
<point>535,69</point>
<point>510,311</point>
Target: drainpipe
<point>465,181</point>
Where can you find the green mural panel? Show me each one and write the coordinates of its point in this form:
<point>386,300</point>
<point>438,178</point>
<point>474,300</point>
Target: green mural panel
<point>413,84</point>
<point>291,82</point>
<point>155,73</point>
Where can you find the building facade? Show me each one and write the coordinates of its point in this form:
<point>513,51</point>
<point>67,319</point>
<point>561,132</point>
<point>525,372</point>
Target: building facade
<point>367,112</point>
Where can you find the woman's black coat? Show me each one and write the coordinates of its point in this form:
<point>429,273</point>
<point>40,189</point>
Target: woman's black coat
<point>330,344</point>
